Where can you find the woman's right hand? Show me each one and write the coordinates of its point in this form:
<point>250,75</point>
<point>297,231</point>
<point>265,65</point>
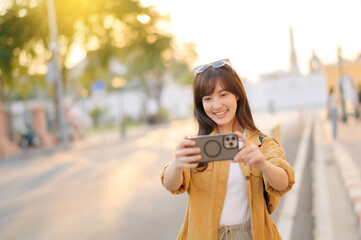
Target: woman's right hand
<point>186,154</point>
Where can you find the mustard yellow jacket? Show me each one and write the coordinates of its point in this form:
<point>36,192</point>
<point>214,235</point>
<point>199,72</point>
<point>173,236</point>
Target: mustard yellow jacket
<point>207,191</point>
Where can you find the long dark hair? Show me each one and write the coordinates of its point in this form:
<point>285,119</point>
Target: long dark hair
<point>204,84</point>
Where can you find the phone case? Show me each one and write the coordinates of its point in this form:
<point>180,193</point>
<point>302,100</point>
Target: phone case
<point>217,147</point>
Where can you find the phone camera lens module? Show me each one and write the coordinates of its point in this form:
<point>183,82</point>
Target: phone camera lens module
<point>227,138</point>
<point>231,143</point>
<point>233,138</point>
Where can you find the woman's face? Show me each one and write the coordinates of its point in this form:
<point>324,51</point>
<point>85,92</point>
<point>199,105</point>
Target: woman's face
<point>221,107</point>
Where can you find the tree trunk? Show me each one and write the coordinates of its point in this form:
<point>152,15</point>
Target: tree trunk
<point>158,88</point>
<point>9,116</point>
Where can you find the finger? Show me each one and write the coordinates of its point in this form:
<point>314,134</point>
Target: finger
<point>245,151</point>
<point>252,148</point>
<point>253,161</point>
<point>189,165</point>
<point>187,151</point>
<point>186,143</point>
<point>249,163</point>
<point>247,159</point>
<point>191,159</point>
<point>244,139</point>
<point>237,159</point>
<point>253,156</point>
<point>246,155</point>
<point>192,165</point>
<point>240,156</point>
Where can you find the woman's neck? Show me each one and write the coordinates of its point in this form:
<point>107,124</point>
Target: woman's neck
<point>230,128</point>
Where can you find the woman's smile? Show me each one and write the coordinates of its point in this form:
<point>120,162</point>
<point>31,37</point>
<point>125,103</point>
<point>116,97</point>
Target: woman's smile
<point>221,114</point>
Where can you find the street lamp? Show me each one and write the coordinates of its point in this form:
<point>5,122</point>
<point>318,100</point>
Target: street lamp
<point>119,83</point>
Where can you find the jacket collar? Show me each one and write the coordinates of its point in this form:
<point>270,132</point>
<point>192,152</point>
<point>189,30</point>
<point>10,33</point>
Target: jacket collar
<point>253,137</point>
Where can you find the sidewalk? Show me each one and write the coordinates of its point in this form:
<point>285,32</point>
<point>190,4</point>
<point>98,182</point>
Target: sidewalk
<point>89,141</point>
<point>349,135</point>
<point>343,165</point>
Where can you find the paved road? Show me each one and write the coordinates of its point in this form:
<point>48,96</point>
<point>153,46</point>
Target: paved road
<point>104,188</point>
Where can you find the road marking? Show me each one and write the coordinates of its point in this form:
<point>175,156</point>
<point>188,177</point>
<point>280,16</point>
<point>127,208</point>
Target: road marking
<point>289,207</point>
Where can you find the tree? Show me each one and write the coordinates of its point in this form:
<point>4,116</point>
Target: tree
<point>124,30</point>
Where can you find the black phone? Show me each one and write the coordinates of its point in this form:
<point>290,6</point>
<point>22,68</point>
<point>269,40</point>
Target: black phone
<point>217,147</point>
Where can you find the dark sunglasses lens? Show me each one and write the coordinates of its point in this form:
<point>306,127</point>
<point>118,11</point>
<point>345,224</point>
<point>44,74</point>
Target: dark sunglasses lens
<point>219,63</point>
<point>201,68</point>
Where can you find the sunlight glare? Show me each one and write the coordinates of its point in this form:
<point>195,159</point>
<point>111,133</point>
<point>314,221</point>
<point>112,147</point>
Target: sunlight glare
<point>128,179</point>
<point>143,18</point>
<point>4,6</point>
<point>22,12</point>
<point>108,21</point>
<point>76,55</point>
<point>93,43</point>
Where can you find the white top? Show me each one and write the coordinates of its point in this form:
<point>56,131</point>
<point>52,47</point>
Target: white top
<point>235,208</point>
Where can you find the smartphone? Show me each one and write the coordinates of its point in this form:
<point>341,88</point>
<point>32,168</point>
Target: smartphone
<point>217,147</point>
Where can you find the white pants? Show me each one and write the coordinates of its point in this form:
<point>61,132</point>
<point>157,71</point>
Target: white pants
<point>235,232</point>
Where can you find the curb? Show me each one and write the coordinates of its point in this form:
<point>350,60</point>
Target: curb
<point>36,152</point>
<point>351,178</point>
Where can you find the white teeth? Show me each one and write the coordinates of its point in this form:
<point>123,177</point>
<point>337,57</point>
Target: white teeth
<point>217,114</point>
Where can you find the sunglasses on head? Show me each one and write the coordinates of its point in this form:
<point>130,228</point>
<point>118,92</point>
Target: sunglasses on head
<point>216,64</point>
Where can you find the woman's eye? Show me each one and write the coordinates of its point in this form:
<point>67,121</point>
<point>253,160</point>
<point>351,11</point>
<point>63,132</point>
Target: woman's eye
<point>206,99</point>
<point>223,94</point>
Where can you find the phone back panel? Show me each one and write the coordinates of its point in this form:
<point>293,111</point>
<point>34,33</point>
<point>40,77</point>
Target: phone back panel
<point>217,147</point>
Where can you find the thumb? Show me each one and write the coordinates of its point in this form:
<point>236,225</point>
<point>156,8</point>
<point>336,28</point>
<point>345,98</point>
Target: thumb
<point>244,139</point>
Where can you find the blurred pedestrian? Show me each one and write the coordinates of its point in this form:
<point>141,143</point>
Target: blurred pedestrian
<point>228,199</point>
<point>358,107</point>
<point>332,111</point>
<point>73,126</point>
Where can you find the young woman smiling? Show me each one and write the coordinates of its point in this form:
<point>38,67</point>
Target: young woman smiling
<point>228,199</point>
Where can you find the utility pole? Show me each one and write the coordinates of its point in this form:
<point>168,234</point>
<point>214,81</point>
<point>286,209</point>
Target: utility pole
<point>54,47</point>
<point>119,83</point>
<point>340,81</point>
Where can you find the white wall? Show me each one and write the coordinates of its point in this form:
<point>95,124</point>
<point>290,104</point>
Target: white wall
<point>288,92</point>
<point>285,92</point>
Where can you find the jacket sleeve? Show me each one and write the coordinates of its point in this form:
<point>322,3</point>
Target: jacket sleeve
<point>186,179</point>
<point>276,155</point>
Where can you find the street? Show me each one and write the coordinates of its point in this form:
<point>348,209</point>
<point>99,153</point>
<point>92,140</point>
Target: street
<point>109,188</point>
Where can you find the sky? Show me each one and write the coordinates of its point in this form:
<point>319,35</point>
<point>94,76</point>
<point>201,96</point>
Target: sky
<point>254,35</point>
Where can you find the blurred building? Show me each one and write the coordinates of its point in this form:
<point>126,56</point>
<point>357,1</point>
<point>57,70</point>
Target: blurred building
<point>350,69</point>
<point>129,101</point>
<point>290,89</point>
<point>345,78</point>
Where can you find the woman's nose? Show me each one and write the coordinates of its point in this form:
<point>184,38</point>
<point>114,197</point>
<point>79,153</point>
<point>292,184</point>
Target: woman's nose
<point>217,103</point>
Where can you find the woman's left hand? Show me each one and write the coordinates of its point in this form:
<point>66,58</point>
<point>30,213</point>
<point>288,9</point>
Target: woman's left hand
<point>251,155</point>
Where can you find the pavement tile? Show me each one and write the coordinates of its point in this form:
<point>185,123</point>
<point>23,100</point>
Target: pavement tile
<point>347,153</point>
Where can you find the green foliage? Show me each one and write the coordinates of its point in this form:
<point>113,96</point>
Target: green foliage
<point>164,114</point>
<point>106,29</point>
<point>96,115</point>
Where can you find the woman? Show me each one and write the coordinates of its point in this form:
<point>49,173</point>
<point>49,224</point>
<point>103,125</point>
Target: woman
<point>228,199</point>
<point>332,108</point>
